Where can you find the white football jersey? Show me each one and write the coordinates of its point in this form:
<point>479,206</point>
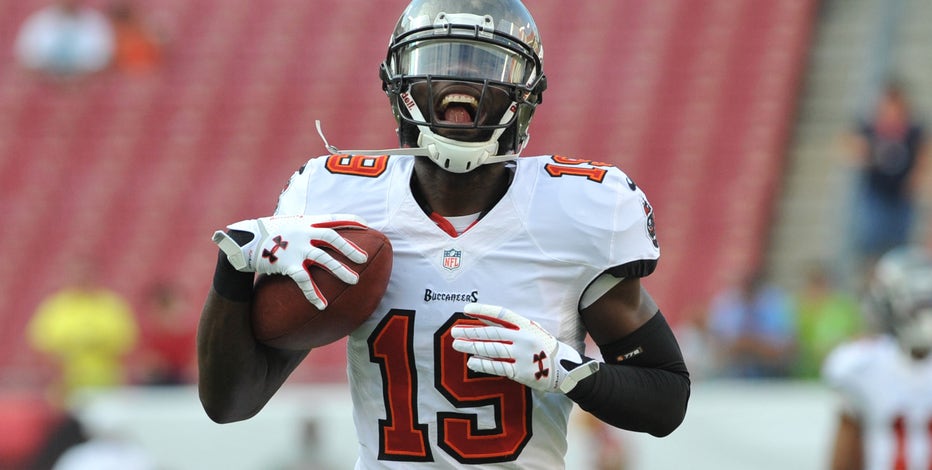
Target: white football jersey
<point>891,395</point>
<point>561,223</point>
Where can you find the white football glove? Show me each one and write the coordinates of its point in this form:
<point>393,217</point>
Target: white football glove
<point>289,245</point>
<point>512,346</point>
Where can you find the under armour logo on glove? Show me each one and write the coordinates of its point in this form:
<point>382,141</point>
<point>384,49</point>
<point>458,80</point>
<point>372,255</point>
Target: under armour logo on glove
<point>541,372</point>
<point>506,341</point>
<point>271,254</point>
<point>306,236</point>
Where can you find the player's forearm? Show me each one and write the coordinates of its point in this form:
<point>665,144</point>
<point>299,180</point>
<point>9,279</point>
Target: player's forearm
<point>635,398</point>
<point>237,375</point>
<point>228,361</point>
<point>643,386</point>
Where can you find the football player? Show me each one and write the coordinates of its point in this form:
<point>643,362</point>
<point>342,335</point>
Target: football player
<point>502,265</point>
<point>885,380</point>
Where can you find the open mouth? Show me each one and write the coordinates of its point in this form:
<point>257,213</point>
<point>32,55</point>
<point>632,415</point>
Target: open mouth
<point>457,108</point>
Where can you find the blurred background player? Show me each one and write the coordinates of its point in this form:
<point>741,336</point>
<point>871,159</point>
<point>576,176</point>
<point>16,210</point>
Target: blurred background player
<point>885,381</point>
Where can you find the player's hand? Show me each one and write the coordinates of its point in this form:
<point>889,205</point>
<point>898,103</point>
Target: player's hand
<point>512,346</point>
<point>290,245</point>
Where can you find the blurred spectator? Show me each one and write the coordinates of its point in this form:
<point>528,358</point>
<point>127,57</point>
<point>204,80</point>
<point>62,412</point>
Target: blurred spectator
<point>826,316</point>
<point>754,328</point>
<point>167,349</point>
<point>65,39</point>
<point>138,45</point>
<point>886,149</point>
<point>86,330</point>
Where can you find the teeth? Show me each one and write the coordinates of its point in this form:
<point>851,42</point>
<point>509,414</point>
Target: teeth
<point>459,98</point>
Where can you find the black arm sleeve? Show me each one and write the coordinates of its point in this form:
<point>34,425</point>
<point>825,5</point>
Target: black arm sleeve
<point>643,385</point>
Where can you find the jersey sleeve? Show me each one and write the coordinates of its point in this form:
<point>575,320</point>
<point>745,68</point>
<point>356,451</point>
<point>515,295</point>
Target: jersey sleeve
<point>342,184</point>
<point>842,371</point>
<point>842,365</point>
<point>592,214</point>
<point>634,249</point>
<point>624,225</point>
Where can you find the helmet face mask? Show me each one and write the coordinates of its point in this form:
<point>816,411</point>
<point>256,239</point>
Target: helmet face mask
<point>463,78</point>
<point>461,110</point>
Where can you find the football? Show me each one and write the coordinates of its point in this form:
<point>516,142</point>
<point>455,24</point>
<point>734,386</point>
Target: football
<point>283,318</point>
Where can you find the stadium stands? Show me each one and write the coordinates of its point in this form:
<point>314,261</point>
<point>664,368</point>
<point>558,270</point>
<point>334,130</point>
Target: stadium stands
<point>693,99</point>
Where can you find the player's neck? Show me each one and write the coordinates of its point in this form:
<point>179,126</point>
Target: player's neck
<point>456,194</point>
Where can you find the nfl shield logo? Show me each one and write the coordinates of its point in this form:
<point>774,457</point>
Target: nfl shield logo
<point>451,259</point>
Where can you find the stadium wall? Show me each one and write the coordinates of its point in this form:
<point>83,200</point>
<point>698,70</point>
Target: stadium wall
<point>730,425</point>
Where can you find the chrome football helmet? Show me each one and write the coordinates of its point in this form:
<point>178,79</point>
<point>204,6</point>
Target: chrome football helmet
<point>899,296</point>
<point>464,78</point>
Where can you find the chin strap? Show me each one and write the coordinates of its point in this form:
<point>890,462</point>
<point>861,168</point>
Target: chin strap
<point>418,152</point>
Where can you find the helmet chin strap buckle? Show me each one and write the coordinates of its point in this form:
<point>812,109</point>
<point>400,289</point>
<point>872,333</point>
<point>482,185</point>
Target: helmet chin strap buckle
<point>455,156</point>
